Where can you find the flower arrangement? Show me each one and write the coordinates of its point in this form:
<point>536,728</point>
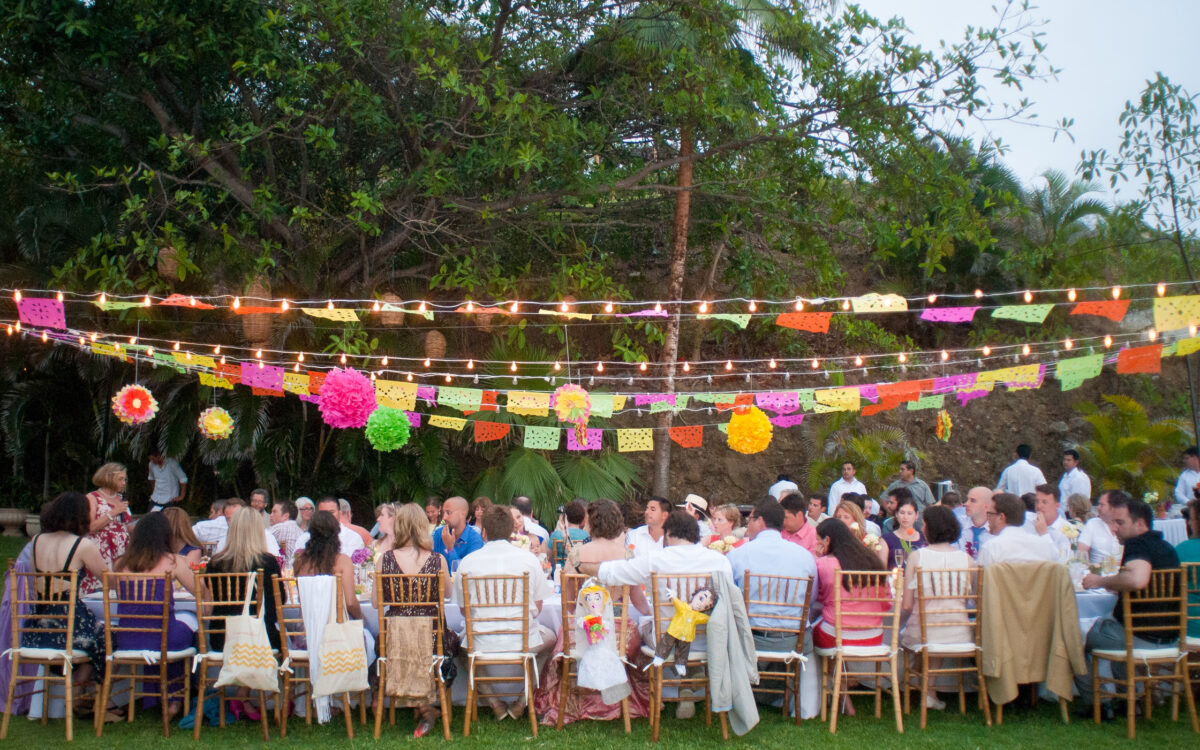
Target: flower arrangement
<point>520,540</point>
<point>199,567</point>
<point>1152,499</point>
<point>388,429</point>
<point>749,430</point>
<point>362,555</point>
<point>944,423</point>
<point>572,404</point>
<point>723,545</point>
<point>134,404</point>
<point>872,542</point>
<point>215,423</point>
<point>347,399</point>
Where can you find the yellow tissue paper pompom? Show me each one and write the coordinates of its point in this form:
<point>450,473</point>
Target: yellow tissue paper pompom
<point>749,430</point>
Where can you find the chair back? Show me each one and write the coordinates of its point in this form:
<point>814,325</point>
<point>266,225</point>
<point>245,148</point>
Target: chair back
<point>1156,609</point>
<point>558,551</point>
<point>43,603</point>
<point>684,585</point>
<point>422,590</point>
<point>150,593</point>
<point>571,583</point>
<point>225,590</point>
<point>947,598</point>
<point>1191,584</point>
<point>778,604</point>
<point>496,606</point>
<point>872,598</point>
<point>289,615</point>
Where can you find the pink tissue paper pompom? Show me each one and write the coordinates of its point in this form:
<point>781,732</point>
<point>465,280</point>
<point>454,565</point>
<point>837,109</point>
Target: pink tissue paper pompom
<point>347,399</point>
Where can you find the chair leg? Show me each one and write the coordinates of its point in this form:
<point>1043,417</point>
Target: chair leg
<point>163,690</point>
<point>724,725</point>
<point>896,696</point>
<point>200,702</point>
<point>1063,709</point>
<point>8,701</point>
<point>1180,673</point>
<point>348,712</point>
<point>656,703</point>
<point>105,688</point>
<point>1190,698</point>
<point>444,695</point>
<point>1131,700</point>
<point>471,699</point>
<point>924,687</point>
<point>1095,690</point>
<point>625,715</point>
<point>285,707</point>
<point>262,714</point>
<point>795,704</point>
<point>999,714</point>
<point>379,701</point>
<point>530,666</point>
<point>983,694</point>
<point>69,696</point>
<point>562,690</point>
<point>823,683</point>
<point>836,707</point>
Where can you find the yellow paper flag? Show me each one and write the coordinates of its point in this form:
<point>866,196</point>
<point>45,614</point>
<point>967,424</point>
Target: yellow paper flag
<point>1173,313</point>
<point>339,314</point>
<point>1016,376</point>
<point>1187,346</point>
<point>295,382</point>
<point>211,380</point>
<point>107,350</point>
<point>447,423</point>
<point>641,439</point>
<point>836,399</point>
<point>530,403</point>
<point>395,394</point>
<point>561,314</point>
<point>873,303</point>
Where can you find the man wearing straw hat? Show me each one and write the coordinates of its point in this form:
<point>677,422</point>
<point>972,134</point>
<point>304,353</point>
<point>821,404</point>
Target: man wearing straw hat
<point>697,507</point>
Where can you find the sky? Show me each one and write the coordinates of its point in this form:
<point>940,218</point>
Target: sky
<point>1106,49</point>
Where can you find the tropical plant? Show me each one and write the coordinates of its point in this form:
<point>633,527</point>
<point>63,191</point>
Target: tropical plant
<point>876,451</point>
<point>1128,450</point>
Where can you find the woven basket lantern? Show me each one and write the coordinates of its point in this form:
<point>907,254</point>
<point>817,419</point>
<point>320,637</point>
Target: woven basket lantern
<point>168,263</point>
<point>257,326</point>
<point>435,345</point>
<point>391,318</point>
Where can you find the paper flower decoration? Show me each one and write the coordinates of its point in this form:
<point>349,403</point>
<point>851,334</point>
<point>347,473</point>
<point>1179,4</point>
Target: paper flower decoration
<point>347,399</point>
<point>573,404</point>
<point>134,404</point>
<point>749,430</point>
<point>944,423</point>
<point>387,429</point>
<point>215,423</point>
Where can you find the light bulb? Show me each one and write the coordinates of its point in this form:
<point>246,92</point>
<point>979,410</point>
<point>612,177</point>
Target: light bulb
<point>258,354</point>
<point>657,307</point>
<point>945,355</point>
<point>1028,296</point>
<point>557,366</point>
<point>150,351</point>
<point>222,359</point>
<point>80,338</point>
<point>753,306</point>
<point>132,340</point>
<point>903,357</point>
<point>192,301</point>
<point>1025,350</point>
<point>772,364</point>
<point>343,359</point>
<point>1107,341</point>
<point>44,337</point>
<point>1153,334</point>
<point>799,305</point>
<point>408,377</point>
<point>260,365</point>
<point>176,346</point>
<point>283,305</point>
<point>146,301</point>
<point>513,367</point>
<point>301,357</point>
<point>17,295</point>
<point>1069,344</point>
<point>514,307</point>
<point>729,364</point>
<point>687,367</point>
<point>447,378</point>
<point>103,299</point>
<point>237,302</point>
<point>642,367</point>
<point>420,308</point>
<point>932,298</point>
<point>599,367</point>
<point>608,307</point>
<point>1192,330</point>
<point>1162,289</point>
<point>60,296</point>
<point>987,351</point>
<point>427,362</point>
<point>384,362</point>
<point>1116,292</point>
<point>858,361</point>
<point>296,367</point>
<point>703,307</point>
<point>816,364</point>
<point>845,304</point>
<point>19,328</point>
<point>330,305</point>
<point>470,364</point>
<point>188,356</point>
<point>564,307</point>
<point>978,294</point>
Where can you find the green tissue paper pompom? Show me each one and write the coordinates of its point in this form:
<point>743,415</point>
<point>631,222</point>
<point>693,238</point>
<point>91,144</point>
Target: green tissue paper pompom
<point>388,429</point>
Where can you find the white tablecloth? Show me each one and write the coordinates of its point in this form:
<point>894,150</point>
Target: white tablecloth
<point>1174,530</point>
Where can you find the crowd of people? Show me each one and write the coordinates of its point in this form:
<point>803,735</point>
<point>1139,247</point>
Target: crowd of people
<point>785,532</point>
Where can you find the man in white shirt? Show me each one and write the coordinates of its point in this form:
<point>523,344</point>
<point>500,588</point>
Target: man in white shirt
<point>816,510</point>
<point>350,541</point>
<point>1185,488</point>
<point>1009,542</point>
<point>1049,524</point>
<point>783,484</point>
<point>525,506</point>
<point>1074,481</point>
<point>847,483</point>
<point>215,527</point>
<point>233,505</point>
<point>645,539</point>
<point>1097,539</point>
<point>498,556</point>
<point>1020,476</point>
<point>168,483</point>
<point>975,533</point>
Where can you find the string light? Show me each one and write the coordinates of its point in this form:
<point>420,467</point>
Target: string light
<point>771,364</point>
<point>17,295</point>
<point>132,340</point>
<point>175,346</point>
<point>799,305</point>
<point>657,307</point>
<point>1153,334</point>
<point>150,351</point>
<point>978,294</point>
<point>945,355</point>
<point>1025,350</point>
<point>237,302</point>
<point>19,328</point>
<point>987,351</point>
<point>217,350</point>
<point>1192,330</point>
<point>753,306</point>
<point>258,354</point>
<point>188,356</point>
<point>222,359</point>
<point>846,304</point>
<point>564,307</point>
<point>858,361</point>
<point>1028,296</point>
<point>514,308</point>
<point>283,305</point>
<point>146,301</point>
<point>447,378</point>
<point>1069,344</point>
<point>557,366</point>
<point>687,367</point>
<point>1116,292</point>
<point>408,377</point>
<point>427,362</point>
<point>375,307</point>
<point>420,308</point>
<point>80,338</point>
<point>608,307</point>
<point>729,364</point>
<point>470,306</point>
<point>384,362</point>
<point>44,337</point>
<point>192,301</point>
<point>296,367</point>
<point>330,305</point>
<point>343,359</point>
<point>301,358</point>
<point>513,367</point>
<point>903,357</point>
<point>642,367</point>
<point>1071,295</point>
<point>932,298</point>
<point>816,364</point>
<point>703,307</point>
<point>60,295</point>
<point>599,367</point>
<point>261,365</point>
<point>470,364</point>
<point>103,299</point>
<point>1162,289</point>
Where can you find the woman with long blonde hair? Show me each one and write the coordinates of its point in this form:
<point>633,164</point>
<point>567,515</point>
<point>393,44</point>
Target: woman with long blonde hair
<point>851,515</point>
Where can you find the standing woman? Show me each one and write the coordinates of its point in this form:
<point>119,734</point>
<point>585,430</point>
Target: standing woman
<point>109,529</point>
<point>183,540</point>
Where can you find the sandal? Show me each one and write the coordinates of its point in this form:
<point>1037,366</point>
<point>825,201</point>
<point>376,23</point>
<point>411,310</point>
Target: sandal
<point>115,714</point>
<point>425,725</point>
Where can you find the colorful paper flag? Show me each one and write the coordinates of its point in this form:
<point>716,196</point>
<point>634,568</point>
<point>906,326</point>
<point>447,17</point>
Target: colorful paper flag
<point>878,303</point>
<point>559,313</point>
<point>1187,346</point>
<point>952,383</point>
<point>109,304</point>
<point>542,438</point>
<point>1113,309</point>
<point>42,312</point>
<point>463,399</point>
<point>836,399</point>
<point>592,440</point>
<point>927,402</point>
<point>396,394</point>
<point>790,420</point>
<point>231,371</point>
<point>338,314</point>
<point>1146,359</point>
<point>414,418</point>
<point>949,314</point>
<point>687,436</point>
<point>640,439</point>
<point>212,381</point>
<point>180,300</point>
<point>1175,313</point>
<point>741,320</point>
<point>780,402</point>
<point>488,431</point>
<point>316,380</point>
<point>266,377</point>
<point>447,423</point>
<point>1023,313</point>
<point>813,322</point>
<point>295,382</point>
<point>1073,372</point>
<point>602,404</point>
<point>529,403</point>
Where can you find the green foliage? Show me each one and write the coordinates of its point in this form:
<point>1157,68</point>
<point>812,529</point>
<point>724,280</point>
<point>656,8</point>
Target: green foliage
<point>875,451</point>
<point>1128,450</point>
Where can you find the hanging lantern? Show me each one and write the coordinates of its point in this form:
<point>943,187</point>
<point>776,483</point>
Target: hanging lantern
<point>435,345</point>
<point>167,263</point>
<point>134,404</point>
<point>572,404</point>
<point>215,423</point>
<point>749,430</point>
<point>391,318</point>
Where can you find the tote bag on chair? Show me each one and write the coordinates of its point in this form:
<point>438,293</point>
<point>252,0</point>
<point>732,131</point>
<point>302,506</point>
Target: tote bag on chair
<point>249,659</point>
<point>342,656</point>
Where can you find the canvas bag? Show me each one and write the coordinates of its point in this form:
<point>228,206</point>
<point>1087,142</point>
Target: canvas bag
<point>248,657</point>
<point>342,656</point>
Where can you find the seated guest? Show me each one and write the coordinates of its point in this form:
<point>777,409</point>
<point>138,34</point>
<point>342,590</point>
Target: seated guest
<point>454,539</point>
<point>766,553</point>
<point>945,624</point>
<point>697,507</point>
<point>231,508</point>
<point>149,553</point>
<point>852,516</point>
<point>346,516</point>
<point>305,507</point>
<point>320,556</point>
<point>1050,523</point>
<point>887,510</point>
<point>524,506</point>
<point>796,528</point>
<point>183,542</point>
<point>726,522</point>
<point>1010,542</point>
<point>433,512</point>
<point>349,541</point>
<point>953,501</point>
<point>899,543</point>
<point>213,529</point>
<point>838,549</point>
<point>975,533</point>
<point>478,506</point>
<point>1097,539</point>
<point>1189,552</point>
<point>571,518</point>
<point>284,527</point>
<point>385,520</point>
<point>411,553</point>
<point>649,537</point>
<point>245,551</point>
<point>783,484</point>
<point>816,509</point>
<point>1029,500</point>
<point>499,556</point>
<point>1145,551</point>
<point>521,535</point>
<point>1079,509</point>
<point>606,531</point>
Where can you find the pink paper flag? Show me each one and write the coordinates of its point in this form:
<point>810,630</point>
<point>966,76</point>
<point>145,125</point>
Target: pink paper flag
<point>965,396</point>
<point>42,312</point>
<point>869,393</point>
<point>789,421</point>
<point>428,394</point>
<point>783,402</point>
<point>267,377</point>
<point>952,383</point>
<point>949,314</point>
<point>644,399</point>
<point>592,443</point>
<point>651,313</point>
<point>305,397</point>
<point>414,418</point>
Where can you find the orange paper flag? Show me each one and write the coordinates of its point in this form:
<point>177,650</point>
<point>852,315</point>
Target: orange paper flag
<point>690,436</point>
<point>315,381</point>
<point>814,322</point>
<point>1140,359</point>
<point>486,431</point>
<point>892,395</point>
<point>742,399</point>
<point>231,372</point>
<point>265,392</point>
<point>1113,309</point>
<point>487,403</point>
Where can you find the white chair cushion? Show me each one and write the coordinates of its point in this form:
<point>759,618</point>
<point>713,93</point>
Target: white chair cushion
<point>877,652</point>
<point>500,655</point>
<point>774,655</point>
<point>298,654</point>
<point>56,654</point>
<point>133,655</point>
<point>945,648</point>
<point>693,658</point>
<point>1170,653</point>
<point>1193,642</point>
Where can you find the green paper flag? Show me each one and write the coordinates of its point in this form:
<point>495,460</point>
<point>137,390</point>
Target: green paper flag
<point>709,398</point>
<point>463,399</point>
<point>681,403</point>
<point>116,305</point>
<point>169,361</point>
<point>542,438</point>
<point>724,427</point>
<point>927,402</point>
<point>602,404</point>
<point>807,399</point>
<point>1073,372</point>
<point>1023,313</point>
<point>741,320</point>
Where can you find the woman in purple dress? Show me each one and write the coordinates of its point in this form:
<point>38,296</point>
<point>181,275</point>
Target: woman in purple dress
<point>904,538</point>
<point>149,553</point>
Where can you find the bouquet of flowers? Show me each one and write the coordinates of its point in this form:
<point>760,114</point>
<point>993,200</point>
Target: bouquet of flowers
<point>520,540</point>
<point>872,542</point>
<point>723,545</point>
<point>1151,499</point>
<point>362,556</point>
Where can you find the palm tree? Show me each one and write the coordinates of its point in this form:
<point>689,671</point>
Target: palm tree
<point>1060,213</point>
<point>1129,451</point>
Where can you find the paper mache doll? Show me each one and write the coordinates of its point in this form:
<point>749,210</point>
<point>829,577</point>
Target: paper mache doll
<point>682,630</point>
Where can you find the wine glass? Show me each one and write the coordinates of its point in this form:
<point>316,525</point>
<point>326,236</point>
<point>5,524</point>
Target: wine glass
<point>898,556</point>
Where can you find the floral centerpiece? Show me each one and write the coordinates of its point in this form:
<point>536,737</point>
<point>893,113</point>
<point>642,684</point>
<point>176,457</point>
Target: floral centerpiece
<point>1159,507</point>
<point>872,542</point>
<point>520,540</point>
<point>723,545</point>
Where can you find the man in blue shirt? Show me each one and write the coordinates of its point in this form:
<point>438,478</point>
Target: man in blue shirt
<point>455,539</point>
<point>768,553</point>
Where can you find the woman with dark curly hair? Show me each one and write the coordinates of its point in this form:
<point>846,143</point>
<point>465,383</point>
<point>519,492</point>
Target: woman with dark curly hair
<point>605,524</point>
<point>321,556</point>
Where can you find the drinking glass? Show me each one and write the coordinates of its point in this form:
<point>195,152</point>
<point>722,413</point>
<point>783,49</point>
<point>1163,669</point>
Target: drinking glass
<point>898,555</point>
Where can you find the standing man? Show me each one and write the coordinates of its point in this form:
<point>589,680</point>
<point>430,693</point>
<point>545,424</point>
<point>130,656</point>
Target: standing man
<point>644,539</point>
<point>455,538</point>
<point>1074,481</point>
<point>847,483</point>
<point>975,533</point>
<point>796,527</point>
<point>168,483</point>
<point>1185,488</point>
<point>908,479</point>
<point>1021,476</point>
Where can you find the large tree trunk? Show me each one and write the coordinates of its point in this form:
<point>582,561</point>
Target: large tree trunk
<point>679,245</point>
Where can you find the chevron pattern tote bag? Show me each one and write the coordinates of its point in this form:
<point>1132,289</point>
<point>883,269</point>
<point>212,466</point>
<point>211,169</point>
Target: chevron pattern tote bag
<point>342,655</point>
<point>249,659</point>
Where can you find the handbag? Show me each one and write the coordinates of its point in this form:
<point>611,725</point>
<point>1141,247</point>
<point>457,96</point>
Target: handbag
<point>248,657</point>
<point>342,656</point>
